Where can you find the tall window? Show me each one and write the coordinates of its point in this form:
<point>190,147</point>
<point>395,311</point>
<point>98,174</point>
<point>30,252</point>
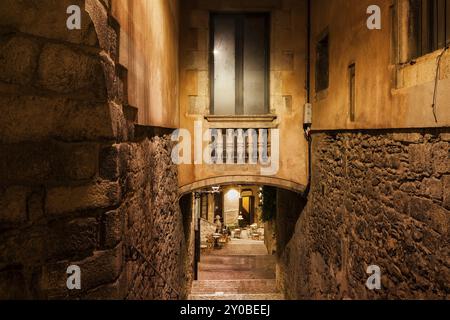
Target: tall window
<point>352,91</point>
<point>322,63</point>
<point>429,25</point>
<point>240,64</point>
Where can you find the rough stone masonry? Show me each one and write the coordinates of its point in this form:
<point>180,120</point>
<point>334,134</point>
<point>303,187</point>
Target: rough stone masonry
<point>77,185</point>
<point>377,198</point>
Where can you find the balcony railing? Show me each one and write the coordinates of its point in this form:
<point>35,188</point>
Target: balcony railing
<point>240,146</point>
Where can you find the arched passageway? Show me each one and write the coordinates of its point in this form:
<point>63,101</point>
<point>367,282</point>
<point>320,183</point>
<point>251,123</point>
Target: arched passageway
<point>240,230</point>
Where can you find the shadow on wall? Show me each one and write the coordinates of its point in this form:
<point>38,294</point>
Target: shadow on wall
<point>290,205</point>
<point>377,198</point>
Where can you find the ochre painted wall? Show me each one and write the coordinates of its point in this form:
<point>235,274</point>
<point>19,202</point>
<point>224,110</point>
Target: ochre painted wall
<point>388,95</point>
<point>149,50</point>
<point>287,79</point>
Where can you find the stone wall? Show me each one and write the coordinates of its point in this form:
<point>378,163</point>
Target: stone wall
<point>154,233</point>
<point>206,229</point>
<point>77,185</point>
<point>377,198</point>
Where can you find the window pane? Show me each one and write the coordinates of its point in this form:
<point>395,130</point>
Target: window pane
<point>322,64</point>
<point>254,65</point>
<point>224,65</point>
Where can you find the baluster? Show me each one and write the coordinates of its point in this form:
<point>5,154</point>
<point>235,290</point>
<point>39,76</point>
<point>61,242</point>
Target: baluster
<point>252,146</point>
<point>240,146</point>
<point>219,148</point>
<point>230,146</point>
<point>262,147</point>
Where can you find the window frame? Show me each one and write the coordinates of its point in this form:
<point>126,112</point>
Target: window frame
<point>426,31</point>
<point>322,36</point>
<point>239,58</point>
<point>352,90</point>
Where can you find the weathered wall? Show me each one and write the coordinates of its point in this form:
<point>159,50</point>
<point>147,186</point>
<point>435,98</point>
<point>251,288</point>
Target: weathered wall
<point>377,198</point>
<point>155,235</point>
<point>149,50</point>
<point>287,79</point>
<point>390,93</point>
<point>206,229</point>
<point>75,185</point>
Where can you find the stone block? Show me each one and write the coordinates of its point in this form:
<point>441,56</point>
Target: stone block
<point>16,246</point>
<point>203,83</point>
<point>112,228</point>
<point>13,285</point>
<point>25,163</point>
<point>35,205</point>
<point>199,19</point>
<point>276,82</point>
<point>70,199</point>
<point>78,160</point>
<point>109,163</point>
<point>114,291</point>
<point>191,39</point>
<point>191,83</point>
<point>420,158</point>
<point>18,60</point>
<point>102,268</point>
<point>47,18</point>
<point>32,118</point>
<point>85,121</point>
<point>203,40</point>
<point>408,137</point>
<point>13,205</point>
<point>431,188</point>
<point>419,208</point>
<point>446,191</point>
<point>46,162</point>
<point>281,19</point>
<point>196,60</point>
<point>441,157</point>
<point>440,220</point>
<point>445,137</point>
<point>284,39</point>
<point>64,70</point>
<point>197,105</point>
<point>76,238</point>
<point>107,36</point>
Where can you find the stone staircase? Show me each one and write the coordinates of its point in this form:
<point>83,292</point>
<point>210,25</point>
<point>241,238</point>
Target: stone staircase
<point>241,271</point>
<point>252,289</point>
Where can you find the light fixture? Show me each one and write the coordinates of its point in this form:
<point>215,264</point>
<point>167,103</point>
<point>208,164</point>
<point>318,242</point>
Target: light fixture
<point>233,195</point>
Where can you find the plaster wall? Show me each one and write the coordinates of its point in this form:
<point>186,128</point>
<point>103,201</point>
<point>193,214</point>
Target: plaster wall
<point>149,50</point>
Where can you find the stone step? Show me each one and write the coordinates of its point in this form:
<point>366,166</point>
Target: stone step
<point>257,286</point>
<point>240,260</point>
<point>236,267</point>
<point>243,296</point>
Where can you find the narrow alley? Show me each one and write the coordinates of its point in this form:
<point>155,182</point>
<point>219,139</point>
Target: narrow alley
<point>242,270</point>
<point>224,150</point>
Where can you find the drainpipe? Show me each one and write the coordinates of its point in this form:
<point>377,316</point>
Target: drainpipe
<point>307,121</point>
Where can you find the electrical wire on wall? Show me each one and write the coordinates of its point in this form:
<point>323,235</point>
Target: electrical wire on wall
<point>436,81</point>
<point>307,127</point>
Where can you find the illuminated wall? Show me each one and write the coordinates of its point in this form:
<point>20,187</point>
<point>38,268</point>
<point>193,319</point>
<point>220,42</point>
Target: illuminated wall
<point>149,50</point>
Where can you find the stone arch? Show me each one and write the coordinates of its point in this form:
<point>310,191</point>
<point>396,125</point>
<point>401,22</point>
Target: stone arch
<point>243,179</point>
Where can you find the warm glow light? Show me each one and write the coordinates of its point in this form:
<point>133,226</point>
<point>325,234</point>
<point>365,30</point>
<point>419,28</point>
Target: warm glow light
<point>216,52</point>
<point>232,195</point>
